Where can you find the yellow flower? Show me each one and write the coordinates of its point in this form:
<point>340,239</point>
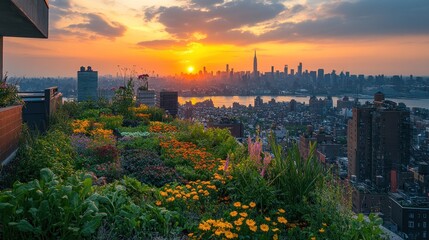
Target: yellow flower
<point>218,232</point>
<point>244,207</point>
<point>324,224</point>
<point>190,234</point>
<point>281,210</point>
<point>264,227</point>
<point>171,199</point>
<point>313,238</point>
<point>253,228</point>
<point>282,220</point>
<point>229,235</point>
<point>275,229</point>
<point>233,213</point>
<point>275,237</point>
<point>238,228</point>
<point>158,203</point>
<point>204,226</point>
<point>252,204</point>
<point>267,219</point>
<point>164,194</point>
<point>321,230</point>
<point>195,197</point>
<point>237,204</point>
<point>243,214</point>
<point>238,222</point>
<point>250,222</point>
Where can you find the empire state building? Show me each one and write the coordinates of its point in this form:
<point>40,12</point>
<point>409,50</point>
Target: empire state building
<point>255,67</point>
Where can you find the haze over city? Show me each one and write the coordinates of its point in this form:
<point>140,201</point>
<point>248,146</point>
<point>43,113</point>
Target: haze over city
<point>167,37</point>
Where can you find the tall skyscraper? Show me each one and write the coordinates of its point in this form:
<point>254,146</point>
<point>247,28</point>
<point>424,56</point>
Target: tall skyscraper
<point>378,142</point>
<point>169,102</point>
<point>255,66</point>
<point>87,84</point>
<point>286,70</point>
<point>300,69</point>
<point>320,75</point>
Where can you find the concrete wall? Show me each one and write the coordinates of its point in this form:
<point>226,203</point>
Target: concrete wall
<point>10,130</point>
<point>24,18</point>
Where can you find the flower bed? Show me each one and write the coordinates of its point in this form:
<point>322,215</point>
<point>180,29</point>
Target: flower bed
<point>168,183</point>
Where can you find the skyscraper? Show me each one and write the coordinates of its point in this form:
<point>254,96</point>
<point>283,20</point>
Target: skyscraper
<point>378,141</point>
<point>286,71</point>
<point>169,102</point>
<point>320,75</point>
<point>300,69</point>
<point>87,84</point>
<point>255,66</point>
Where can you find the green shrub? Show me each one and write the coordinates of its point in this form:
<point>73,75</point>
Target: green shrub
<point>50,208</point>
<point>92,114</point>
<point>217,141</point>
<point>295,178</point>
<point>247,185</point>
<point>52,150</point>
<point>111,122</point>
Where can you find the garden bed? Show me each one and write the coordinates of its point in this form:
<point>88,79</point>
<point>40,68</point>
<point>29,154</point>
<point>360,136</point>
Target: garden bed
<point>116,175</point>
<point>10,130</point>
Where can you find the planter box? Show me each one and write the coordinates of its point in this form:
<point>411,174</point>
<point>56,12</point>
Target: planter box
<point>10,130</point>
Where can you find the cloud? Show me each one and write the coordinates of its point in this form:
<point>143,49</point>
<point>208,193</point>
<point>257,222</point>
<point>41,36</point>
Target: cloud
<point>205,3</point>
<point>160,44</point>
<point>60,3</point>
<point>248,22</point>
<point>98,24</point>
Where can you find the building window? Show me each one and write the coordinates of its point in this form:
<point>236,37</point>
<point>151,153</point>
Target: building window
<point>424,224</point>
<point>411,215</point>
<point>411,224</point>
<point>424,215</point>
<point>424,234</point>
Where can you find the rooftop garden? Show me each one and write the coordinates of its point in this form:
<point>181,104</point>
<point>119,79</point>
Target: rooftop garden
<point>115,171</point>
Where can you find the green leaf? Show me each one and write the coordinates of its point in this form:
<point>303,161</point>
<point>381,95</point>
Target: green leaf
<point>91,226</point>
<point>23,226</point>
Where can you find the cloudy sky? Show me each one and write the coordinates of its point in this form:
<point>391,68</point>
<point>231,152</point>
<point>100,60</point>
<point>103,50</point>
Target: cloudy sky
<point>167,36</point>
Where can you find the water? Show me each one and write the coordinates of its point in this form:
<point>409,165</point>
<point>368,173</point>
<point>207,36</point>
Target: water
<point>227,101</point>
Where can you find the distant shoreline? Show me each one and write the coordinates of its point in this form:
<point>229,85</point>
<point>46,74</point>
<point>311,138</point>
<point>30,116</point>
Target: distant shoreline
<point>360,96</point>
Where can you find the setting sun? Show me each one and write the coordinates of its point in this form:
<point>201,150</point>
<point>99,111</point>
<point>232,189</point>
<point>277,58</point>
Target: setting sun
<point>190,69</point>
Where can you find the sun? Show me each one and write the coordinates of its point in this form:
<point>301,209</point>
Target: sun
<point>191,69</point>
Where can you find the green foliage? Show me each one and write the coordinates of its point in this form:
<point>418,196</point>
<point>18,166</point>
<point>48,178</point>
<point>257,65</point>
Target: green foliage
<point>361,229</point>
<point>148,168</point>
<point>8,93</point>
<point>52,150</point>
<point>189,173</point>
<point>90,114</point>
<point>144,143</point>
<point>50,208</point>
<point>217,141</point>
<point>124,100</point>
<point>111,122</point>
<point>126,219</point>
<point>247,185</point>
<point>294,178</point>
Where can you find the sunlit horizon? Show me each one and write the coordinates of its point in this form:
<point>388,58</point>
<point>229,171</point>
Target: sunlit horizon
<point>168,37</point>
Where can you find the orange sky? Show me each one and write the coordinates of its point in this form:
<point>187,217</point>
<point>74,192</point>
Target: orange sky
<point>166,37</point>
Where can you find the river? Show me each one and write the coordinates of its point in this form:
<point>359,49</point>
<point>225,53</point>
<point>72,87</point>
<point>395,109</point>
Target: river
<point>227,101</point>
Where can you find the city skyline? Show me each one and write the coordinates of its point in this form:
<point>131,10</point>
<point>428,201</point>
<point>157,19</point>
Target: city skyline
<point>368,37</point>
